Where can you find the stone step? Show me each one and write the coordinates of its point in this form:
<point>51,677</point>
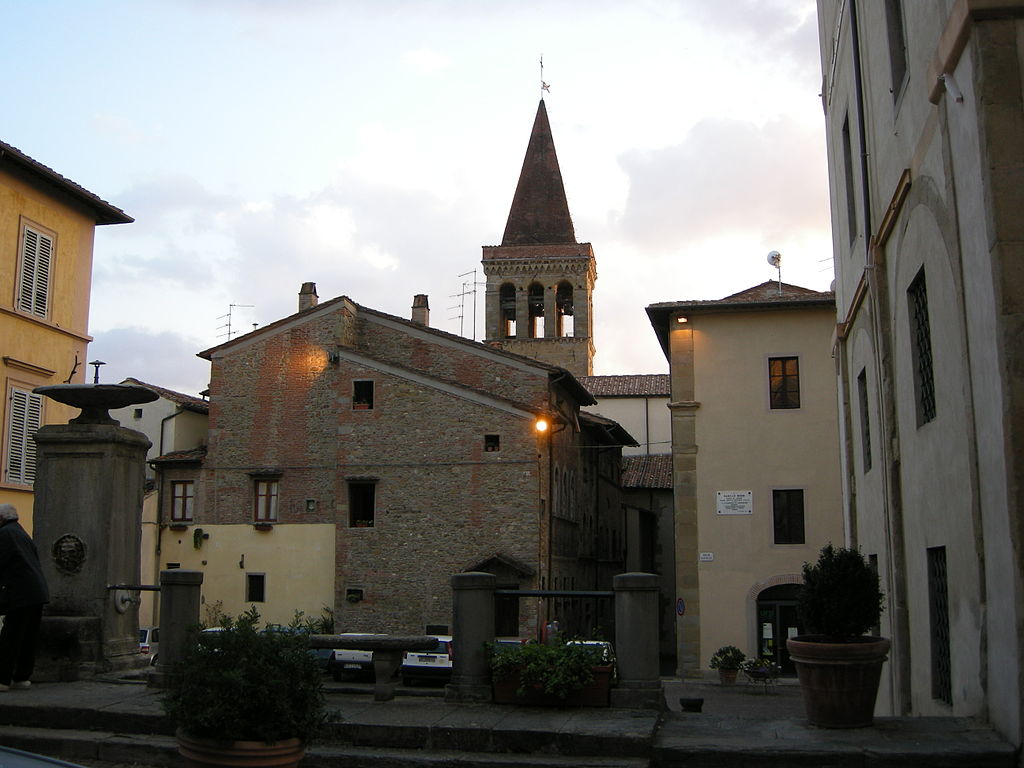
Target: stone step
<point>100,747</point>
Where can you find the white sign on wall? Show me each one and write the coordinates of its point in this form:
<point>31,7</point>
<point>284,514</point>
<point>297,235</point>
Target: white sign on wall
<point>707,557</point>
<point>735,502</point>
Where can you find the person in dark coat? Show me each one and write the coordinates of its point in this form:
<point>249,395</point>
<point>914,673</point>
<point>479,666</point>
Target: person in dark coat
<point>24,594</point>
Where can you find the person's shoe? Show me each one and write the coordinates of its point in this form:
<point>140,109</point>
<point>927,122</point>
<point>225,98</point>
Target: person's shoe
<point>20,685</point>
<point>4,687</point>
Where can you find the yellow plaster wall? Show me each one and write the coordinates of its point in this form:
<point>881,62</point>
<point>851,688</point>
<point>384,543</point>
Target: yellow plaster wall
<point>48,346</point>
<point>298,561</point>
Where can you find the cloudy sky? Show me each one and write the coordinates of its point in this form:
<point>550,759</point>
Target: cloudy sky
<point>373,147</point>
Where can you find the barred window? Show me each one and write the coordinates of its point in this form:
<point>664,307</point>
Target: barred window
<point>865,421</point>
<point>921,349</point>
<point>938,603</point>
<point>788,512</point>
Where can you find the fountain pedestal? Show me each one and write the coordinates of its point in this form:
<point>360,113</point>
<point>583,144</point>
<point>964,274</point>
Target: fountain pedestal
<point>87,527</point>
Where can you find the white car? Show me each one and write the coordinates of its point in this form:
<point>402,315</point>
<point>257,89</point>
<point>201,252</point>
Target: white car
<point>433,666</point>
<point>345,662</point>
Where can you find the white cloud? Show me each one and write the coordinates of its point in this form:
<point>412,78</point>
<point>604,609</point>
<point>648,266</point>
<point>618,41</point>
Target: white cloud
<point>425,61</point>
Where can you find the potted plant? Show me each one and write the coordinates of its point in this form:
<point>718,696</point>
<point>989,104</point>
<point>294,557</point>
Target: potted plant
<point>562,673</point>
<point>239,693</point>
<point>727,661</point>
<point>838,663</point>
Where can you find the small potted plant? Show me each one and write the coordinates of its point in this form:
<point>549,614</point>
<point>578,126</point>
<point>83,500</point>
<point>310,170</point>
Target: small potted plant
<point>239,693</point>
<point>559,674</point>
<point>727,661</point>
<point>838,663</point>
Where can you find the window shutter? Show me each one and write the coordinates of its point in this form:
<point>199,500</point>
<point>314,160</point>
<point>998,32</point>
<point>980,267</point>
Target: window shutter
<point>36,256</point>
<point>26,415</point>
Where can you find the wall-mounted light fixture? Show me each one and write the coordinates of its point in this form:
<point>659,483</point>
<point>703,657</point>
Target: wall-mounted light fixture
<point>541,425</point>
<point>680,319</point>
<point>334,357</point>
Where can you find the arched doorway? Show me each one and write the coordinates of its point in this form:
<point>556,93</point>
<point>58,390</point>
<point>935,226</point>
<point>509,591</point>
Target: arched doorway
<point>777,620</point>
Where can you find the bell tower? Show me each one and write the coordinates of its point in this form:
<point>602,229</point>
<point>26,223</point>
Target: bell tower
<point>540,281</point>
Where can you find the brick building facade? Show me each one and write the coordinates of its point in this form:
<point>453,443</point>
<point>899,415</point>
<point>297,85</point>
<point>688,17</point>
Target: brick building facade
<point>415,453</point>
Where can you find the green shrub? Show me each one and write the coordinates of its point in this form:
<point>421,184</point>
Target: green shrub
<point>840,596</point>
<point>243,684</point>
<point>557,669</point>
<point>727,657</point>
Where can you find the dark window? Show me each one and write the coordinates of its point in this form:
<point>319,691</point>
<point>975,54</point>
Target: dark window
<point>361,503</point>
<point>362,395</point>
<point>938,601</point>
<point>788,511</point>
<point>897,45</point>
<point>507,296</point>
<point>784,382</point>
<point>255,587</point>
<point>265,506</point>
<point>137,413</point>
<point>182,499</point>
<point>851,201</point>
<point>921,349</point>
<point>535,303</point>
<point>492,443</point>
<point>865,422</point>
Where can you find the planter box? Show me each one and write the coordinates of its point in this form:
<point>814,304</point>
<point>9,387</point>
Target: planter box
<point>595,694</point>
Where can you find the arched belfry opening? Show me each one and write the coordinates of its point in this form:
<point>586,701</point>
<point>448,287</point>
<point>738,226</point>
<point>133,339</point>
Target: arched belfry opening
<point>540,280</point>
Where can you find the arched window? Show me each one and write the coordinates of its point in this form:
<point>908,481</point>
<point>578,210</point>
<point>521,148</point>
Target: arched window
<point>535,301</point>
<point>564,310</point>
<point>507,304</point>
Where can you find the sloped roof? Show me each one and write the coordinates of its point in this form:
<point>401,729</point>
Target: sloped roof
<point>185,401</point>
<point>539,212</point>
<point>654,472</point>
<point>628,385</point>
<point>104,212</point>
<point>188,456</point>
<point>770,295</point>
<point>610,431</point>
<point>564,376</point>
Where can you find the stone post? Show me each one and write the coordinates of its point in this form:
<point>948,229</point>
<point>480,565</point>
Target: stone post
<point>88,501</point>
<point>472,627</point>
<point>636,642</point>
<point>180,595</point>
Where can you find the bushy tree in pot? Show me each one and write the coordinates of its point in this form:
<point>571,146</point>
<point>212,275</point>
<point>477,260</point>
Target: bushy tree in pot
<point>239,694</point>
<point>727,660</point>
<point>838,663</point>
<point>557,674</point>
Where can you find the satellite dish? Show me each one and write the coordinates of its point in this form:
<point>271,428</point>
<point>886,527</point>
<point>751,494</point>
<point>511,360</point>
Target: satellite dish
<point>775,258</point>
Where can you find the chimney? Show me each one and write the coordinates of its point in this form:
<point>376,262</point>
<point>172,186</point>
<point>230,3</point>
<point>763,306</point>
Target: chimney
<point>307,296</point>
<point>420,309</point>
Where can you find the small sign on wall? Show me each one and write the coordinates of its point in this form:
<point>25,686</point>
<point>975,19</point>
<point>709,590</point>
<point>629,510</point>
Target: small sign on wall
<point>735,502</point>
<point>707,557</point>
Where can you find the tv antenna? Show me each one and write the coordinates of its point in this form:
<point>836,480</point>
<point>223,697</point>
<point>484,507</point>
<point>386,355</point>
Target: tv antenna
<point>231,309</point>
<point>468,289</point>
<point>775,259</point>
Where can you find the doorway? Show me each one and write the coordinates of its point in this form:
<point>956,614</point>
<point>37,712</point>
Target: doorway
<point>777,620</point>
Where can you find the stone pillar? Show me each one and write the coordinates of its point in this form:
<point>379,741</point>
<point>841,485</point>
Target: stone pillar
<point>636,642</point>
<point>180,597</point>
<point>472,627</point>
<point>87,523</point>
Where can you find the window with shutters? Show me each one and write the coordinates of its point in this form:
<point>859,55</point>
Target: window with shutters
<point>24,417</point>
<point>34,269</point>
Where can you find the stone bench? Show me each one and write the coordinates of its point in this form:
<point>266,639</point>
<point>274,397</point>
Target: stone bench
<point>387,654</point>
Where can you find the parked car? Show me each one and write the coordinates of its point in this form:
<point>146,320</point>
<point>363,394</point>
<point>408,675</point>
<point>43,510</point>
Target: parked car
<point>431,666</point>
<point>345,662</point>
<point>149,642</point>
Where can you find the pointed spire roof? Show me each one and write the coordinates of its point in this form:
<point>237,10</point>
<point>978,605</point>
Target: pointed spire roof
<point>540,212</point>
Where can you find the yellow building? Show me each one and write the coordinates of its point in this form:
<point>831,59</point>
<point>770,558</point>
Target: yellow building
<point>47,225</point>
<point>755,463</point>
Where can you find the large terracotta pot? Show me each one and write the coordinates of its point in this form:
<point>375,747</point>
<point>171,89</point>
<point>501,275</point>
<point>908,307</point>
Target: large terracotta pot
<point>202,753</point>
<point>839,680</point>
<point>596,694</point>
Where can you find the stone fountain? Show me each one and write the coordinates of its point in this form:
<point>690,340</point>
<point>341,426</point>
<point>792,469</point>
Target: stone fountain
<point>89,485</point>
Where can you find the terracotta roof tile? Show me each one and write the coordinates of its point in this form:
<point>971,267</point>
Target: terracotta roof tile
<point>647,471</point>
<point>628,385</point>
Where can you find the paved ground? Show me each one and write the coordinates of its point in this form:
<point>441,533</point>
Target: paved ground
<point>117,725</point>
